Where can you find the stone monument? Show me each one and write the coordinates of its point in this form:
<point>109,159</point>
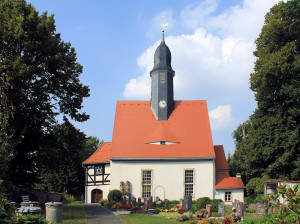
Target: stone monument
<point>187,203</point>
<point>221,209</point>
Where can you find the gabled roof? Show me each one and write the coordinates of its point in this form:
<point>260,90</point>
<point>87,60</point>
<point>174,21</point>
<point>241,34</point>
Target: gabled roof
<point>221,163</point>
<point>136,126</point>
<point>224,181</point>
<point>101,155</point>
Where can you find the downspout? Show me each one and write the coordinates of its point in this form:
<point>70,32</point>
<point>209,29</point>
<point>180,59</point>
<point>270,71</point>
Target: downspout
<point>85,188</point>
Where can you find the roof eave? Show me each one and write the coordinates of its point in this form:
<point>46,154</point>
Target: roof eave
<point>161,159</point>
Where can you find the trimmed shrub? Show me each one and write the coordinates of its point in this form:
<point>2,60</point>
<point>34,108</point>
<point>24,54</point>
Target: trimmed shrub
<point>215,203</point>
<point>114,196</point>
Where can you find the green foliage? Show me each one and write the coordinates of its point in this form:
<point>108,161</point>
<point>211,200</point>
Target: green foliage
<point>271,148</point>
<point>114,196</point>
<point>32,219</point>
<point>7,211</point>
<point>101,202</point>
<point>260,199</point>
<point>59,164</point>
<point>42,80</point>
<point>68,198</point>
<point>215,203</point>
<point>200,203</point>
<point>248,200</point>
<point>256,186</point>
<point>289,211</point>
<point>250,210</point>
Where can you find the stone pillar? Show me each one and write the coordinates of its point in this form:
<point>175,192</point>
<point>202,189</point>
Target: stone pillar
<point>166,203</point>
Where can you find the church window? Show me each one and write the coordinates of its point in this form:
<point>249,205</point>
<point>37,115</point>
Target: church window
<point>227,196</point>
<point>146,183</point>
<point>189,182</point>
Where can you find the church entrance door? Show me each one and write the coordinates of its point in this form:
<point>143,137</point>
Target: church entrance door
<point>97,195</point>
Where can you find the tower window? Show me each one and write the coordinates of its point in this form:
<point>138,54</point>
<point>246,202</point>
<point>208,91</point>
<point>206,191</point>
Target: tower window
<point>162,77</point>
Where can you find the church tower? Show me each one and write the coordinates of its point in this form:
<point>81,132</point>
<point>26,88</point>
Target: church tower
<point>162,95</point>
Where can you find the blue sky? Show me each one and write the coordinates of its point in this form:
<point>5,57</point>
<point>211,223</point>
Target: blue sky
<point>211,43</point>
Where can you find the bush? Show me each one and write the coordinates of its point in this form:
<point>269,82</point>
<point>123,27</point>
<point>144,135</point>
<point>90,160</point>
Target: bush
<point>215,204</point>
<point>115,196</point>
<point>68,198</point>
<point>260,199</point>
<point>248,200</point>
<point>33,219</point>
<point>101,202</point>
<point>174,202</point>
<point>202,202</point>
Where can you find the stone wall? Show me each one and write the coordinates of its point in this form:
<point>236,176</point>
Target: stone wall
<point>15,192</point>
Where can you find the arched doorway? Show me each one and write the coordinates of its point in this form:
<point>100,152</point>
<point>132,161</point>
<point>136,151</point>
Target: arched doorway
<point>97,195</point>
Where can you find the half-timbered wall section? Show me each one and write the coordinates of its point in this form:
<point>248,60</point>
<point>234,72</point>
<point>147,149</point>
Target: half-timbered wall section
<point>98,174</point>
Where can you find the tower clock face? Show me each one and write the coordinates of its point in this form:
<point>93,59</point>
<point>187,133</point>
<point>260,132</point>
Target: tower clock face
<point>162,104</point>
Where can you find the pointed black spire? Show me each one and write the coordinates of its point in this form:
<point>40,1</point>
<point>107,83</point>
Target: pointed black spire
<point>162,96</point>
<point>162,56</point>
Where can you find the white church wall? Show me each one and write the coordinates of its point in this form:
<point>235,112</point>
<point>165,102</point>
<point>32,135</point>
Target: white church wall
<point>236,194</point>
<point>167,177</point>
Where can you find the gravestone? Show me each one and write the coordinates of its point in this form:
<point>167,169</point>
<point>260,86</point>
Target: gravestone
<point>129,200</point>
<point>181,202</point>
<point>166,203</point>
<point>221,209</point>
<point>157,199</point>
<point>139,202</point>
<point>260,209</point>
<point>134,201</point>
<point>146,204</point>
<point>240,209</point>
<point>150,199</point>
<point>208,210</point>
<point>187,203</point>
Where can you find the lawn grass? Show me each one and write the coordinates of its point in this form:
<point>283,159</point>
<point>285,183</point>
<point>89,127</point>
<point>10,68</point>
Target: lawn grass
<point>145,219</point>
<point>74,213</point>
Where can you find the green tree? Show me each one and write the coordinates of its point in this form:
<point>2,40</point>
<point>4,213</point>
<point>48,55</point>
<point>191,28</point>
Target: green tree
<point>271,148</point>
<point>60,162</point>
<point>44,81</point>
<point>91,145</point>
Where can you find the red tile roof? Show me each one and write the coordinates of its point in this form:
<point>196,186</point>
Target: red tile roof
<point>136,126</point>
<point>224,181</point>
<point>221,163</point>
<point>101,155</point>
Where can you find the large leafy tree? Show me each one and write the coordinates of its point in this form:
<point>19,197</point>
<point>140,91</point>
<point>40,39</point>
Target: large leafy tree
<point>271,148</point>
<point>60,162</point>
<point>43,79</point>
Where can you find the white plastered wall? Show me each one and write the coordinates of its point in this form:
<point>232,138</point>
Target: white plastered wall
<point>236,194</point>
<point>167,177</point>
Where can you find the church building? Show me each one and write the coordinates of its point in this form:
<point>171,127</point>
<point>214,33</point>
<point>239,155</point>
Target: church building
<point>162,147</point>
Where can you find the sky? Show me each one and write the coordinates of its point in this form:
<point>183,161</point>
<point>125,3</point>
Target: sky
<point>211,41</point>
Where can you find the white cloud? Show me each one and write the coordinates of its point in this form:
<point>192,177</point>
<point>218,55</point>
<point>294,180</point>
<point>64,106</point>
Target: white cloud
<point>194,15</point>
<point>220,118</point>
<point>208,65</point>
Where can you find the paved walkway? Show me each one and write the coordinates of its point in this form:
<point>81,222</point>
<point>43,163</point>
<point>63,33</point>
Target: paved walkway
<point>96,214</point>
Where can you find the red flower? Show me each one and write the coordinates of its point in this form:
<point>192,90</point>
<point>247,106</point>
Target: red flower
<point>181,212</point>
<point>227,220</point>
